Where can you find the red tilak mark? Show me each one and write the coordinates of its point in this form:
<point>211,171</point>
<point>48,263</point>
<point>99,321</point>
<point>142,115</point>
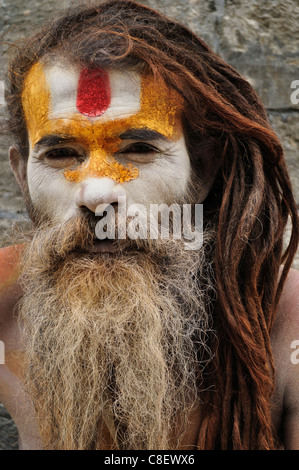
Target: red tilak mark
<point>94,93</point>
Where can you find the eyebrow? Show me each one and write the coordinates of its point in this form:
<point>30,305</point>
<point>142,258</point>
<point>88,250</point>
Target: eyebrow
<point>142,134</point>
<point>51,140</point>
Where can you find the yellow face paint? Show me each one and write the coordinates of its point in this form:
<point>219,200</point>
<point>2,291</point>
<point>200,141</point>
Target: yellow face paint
<point>159,111</point>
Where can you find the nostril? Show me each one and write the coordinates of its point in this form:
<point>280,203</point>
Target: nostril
<point>96,193</point>
<point>86,211</point>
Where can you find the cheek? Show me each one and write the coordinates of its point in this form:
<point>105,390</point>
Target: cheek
<point>50,192</point>
<point>165,181</point>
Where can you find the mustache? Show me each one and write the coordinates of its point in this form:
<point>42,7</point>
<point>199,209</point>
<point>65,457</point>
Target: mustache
<point>60,240</point>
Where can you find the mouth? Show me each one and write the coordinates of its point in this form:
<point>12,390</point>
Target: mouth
<point>104,246</point>
<point>99,246</point>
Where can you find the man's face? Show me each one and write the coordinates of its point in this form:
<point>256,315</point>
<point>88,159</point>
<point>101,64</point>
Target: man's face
<point>99,134</point>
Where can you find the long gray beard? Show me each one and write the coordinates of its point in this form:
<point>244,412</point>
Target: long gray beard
<point>115,344</point>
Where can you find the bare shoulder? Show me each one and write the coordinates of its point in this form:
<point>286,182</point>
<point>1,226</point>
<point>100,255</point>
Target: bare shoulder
<point>285,345</point>
<point>290,297</point>
<point>9,290</point>
<point>286,326</point>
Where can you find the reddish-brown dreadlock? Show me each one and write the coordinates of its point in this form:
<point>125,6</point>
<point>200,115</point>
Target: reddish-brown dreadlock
<point>249,204</point>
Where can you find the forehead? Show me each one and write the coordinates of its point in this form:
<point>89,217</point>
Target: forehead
<point>60,97</point>
<point>98,94</point>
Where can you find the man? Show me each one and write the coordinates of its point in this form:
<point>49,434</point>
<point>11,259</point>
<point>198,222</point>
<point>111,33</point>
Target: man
<point>142,343</point>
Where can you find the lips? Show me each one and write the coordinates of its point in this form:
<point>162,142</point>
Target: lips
<point>98,246</point>
<point>104,246</point>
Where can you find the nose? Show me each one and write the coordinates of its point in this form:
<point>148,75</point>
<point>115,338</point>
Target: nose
<point>95,192</point>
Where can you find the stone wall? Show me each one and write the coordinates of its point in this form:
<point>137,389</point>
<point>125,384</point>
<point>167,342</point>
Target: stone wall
<point>260,39</point>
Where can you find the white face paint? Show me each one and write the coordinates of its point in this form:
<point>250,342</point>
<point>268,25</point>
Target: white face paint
<point>125,90</point>
<point>133,146</point>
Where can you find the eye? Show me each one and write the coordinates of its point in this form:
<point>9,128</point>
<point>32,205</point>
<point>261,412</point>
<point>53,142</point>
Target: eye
<point>62,153</point>
<point>139,152</point>
<point>63,157</point>
<point>139,147</point>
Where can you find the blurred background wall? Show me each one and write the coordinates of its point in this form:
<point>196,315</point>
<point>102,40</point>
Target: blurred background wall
<point>259,38</point>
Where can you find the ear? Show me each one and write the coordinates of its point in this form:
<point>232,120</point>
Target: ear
<point>19,166</point>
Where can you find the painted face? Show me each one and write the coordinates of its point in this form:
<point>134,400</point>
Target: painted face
<point>100,133</point>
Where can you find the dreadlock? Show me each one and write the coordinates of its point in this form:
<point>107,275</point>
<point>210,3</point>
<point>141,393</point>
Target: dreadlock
<point>249,204</point>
